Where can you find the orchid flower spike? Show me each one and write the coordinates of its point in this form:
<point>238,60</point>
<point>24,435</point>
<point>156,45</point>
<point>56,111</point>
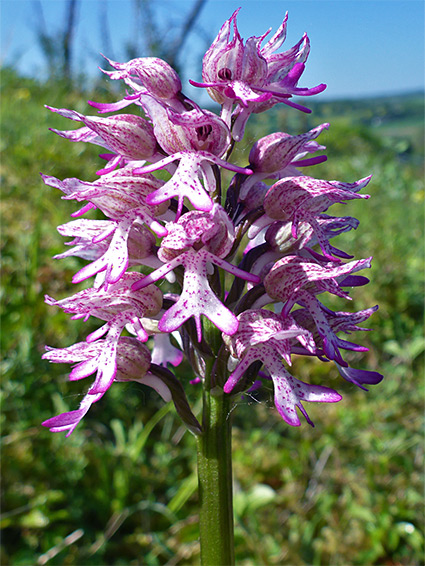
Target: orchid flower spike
<point>191,266</point>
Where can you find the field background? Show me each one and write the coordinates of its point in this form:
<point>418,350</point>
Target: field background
<point>122,489</point>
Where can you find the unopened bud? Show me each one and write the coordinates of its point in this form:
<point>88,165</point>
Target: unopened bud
<point>158,77</point>
<point>128,135</point>
<point>276,151</point>
<point>155,74</point>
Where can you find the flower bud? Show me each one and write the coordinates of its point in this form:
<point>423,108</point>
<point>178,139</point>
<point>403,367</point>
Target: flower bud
<point>276,151</point>
<point>155,74</point>
<point>267,153</point>
<point>133,359</point>
<point>128,135</point>
<point>158,77</point>
<point>255,195</point>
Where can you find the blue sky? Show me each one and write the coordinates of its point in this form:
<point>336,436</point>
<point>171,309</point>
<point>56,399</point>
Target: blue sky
<point>359,47</point>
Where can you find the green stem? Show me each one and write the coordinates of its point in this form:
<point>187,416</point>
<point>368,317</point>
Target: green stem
<point>215,480</point>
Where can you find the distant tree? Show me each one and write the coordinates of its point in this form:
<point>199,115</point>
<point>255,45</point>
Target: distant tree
<point>148,37</point>
<point>58,48</point>
<point>151,39</point>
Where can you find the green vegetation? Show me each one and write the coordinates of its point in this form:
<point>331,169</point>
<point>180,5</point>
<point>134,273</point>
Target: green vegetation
<point>348,492</point>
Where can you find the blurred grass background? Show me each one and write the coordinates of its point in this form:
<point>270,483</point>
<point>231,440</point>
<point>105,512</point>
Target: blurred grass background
<point>122,489</point>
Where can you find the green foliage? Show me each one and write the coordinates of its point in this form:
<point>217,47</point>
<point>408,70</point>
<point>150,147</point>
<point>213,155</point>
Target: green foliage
<point>122,489</point>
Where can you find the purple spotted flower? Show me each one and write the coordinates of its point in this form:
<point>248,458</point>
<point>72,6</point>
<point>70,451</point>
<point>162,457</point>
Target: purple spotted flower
<point>197,140</point>
<point>129,137</point>
<point>251,75</point>
<point>133,361</point>
<point>267,337</point>
<point>122,197</point>
<point>188,265</point>
<point>95,240</point>
<point>118,305</point>
<point>198,240</point>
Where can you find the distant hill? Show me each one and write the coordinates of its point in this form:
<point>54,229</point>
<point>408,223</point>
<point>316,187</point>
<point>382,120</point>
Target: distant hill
<point>375,111</point>
<point>396,120</point>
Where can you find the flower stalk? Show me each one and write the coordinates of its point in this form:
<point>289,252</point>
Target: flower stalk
<point>215,480</point>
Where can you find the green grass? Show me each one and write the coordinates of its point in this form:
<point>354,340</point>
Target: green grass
<point>348,492</point>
